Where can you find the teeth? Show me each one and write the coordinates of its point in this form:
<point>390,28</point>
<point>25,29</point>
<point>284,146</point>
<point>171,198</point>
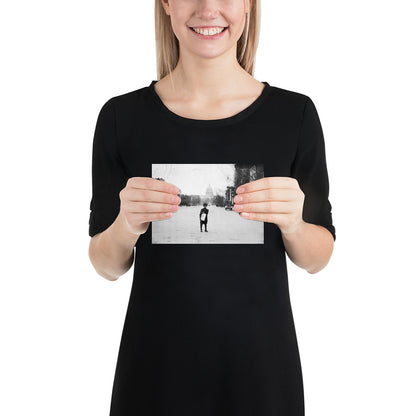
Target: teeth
<point>209,32</point>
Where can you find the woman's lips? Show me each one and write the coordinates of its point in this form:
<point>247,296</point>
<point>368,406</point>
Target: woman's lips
<point>217,36</point>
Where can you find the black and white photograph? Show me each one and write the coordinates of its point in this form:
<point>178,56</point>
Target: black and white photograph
<point>206,214</point>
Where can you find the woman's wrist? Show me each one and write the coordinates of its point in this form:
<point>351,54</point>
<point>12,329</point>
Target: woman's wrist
<point>122,234</point>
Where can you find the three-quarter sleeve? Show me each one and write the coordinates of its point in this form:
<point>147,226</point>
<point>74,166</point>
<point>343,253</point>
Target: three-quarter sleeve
<point>310,170</point>
<point>108,173</point>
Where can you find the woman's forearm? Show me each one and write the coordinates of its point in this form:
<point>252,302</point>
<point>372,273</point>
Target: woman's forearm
<point>112,251</point>
<point>310,247</point>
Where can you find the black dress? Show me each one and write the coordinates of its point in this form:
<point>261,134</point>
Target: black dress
<point>209,327</point>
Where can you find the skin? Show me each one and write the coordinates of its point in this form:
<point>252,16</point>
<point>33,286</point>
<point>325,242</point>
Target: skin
<point>278,200</point>
<point>208,77</point>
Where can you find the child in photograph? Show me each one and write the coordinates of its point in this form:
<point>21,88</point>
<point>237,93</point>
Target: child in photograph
<point>203,216</point>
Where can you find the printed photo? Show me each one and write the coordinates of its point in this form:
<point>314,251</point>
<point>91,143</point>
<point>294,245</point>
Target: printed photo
<point>206,214</point>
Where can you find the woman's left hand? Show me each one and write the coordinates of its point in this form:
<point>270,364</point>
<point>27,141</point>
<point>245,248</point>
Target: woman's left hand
<point>278,200</point>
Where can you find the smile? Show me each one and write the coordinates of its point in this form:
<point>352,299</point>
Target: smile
<point>209,33</point>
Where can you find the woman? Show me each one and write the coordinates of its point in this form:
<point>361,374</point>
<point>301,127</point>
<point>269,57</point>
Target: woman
<point>209,327</point>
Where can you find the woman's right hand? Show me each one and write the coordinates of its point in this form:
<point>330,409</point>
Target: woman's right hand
<point>147,199</point>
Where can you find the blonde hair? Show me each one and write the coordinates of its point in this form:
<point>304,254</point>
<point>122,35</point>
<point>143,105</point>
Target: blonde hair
<point>167,44</point>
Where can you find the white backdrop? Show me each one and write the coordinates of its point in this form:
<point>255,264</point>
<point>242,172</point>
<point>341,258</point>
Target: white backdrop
<point>61,322</point>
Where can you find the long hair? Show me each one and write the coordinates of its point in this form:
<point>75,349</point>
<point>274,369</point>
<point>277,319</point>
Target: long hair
<point>167,44</point>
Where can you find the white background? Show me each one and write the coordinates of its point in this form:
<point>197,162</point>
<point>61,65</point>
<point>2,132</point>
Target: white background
<point>61,322</point>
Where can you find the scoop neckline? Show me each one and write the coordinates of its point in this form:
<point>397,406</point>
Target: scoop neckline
<point>210,122</point>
